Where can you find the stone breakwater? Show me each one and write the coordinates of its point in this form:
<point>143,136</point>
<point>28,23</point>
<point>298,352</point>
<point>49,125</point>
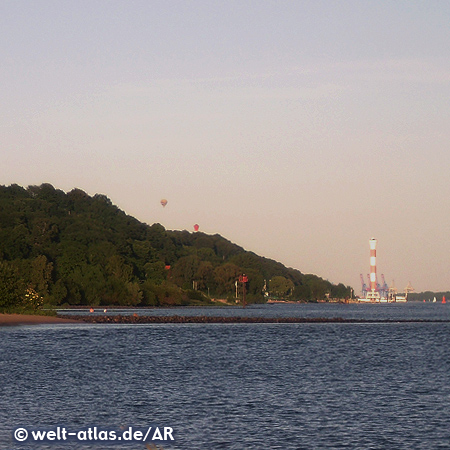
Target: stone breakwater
<point>136,319</point>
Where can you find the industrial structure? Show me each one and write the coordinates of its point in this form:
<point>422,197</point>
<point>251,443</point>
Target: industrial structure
<point>373,294</point>
<point>376,292</point>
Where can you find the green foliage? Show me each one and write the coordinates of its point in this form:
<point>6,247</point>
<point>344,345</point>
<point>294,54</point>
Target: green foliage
<point>12,288</point>
<point>281,286</point>
<point>155,271</point>
<point>184,270</point>
<point>71,248</point>
<point>41,275</point>
<point>225,277</point>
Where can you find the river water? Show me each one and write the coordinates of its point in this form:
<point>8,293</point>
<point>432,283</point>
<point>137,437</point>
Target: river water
<point>305,386</point>
<point>380,311</point>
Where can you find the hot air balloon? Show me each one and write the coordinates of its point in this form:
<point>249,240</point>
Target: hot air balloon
<point>163,202</point>
<point>196,227</point>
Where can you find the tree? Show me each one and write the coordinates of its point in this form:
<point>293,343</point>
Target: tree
<point>302,292</point>
<point>340,291</point>
<point>58,293</point>
<point>155,271</point>
<point>118,268</point>
<point>225,277</point>
<point>78,249</point>
<point>205,275</point>
<point>281,286</point>
<point>41,275</point>
<point>318,287</point>
<point>12,288</point>
<point>185,270</point>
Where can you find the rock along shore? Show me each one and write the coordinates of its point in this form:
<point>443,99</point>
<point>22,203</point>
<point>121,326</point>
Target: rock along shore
<point>136,319</point>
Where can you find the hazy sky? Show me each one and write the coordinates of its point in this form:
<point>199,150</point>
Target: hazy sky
<point>296,129</point>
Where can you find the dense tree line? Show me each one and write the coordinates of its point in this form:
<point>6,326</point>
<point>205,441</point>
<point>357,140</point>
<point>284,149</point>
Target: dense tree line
<point>70,248</point>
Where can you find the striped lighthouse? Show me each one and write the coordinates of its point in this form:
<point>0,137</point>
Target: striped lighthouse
<point>373,264</point>
<point>373,293</point>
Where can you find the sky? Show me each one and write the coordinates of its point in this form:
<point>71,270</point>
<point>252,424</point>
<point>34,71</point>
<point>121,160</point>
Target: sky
<point>295,129</point>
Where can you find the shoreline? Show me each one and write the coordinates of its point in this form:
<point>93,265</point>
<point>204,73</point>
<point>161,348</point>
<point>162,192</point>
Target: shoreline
<point>136,319</point>
<point>30,319</point>
<point>27,319</point>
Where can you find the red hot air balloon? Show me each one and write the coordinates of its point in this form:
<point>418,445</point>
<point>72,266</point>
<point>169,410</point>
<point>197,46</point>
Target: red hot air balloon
<point>196,227</point>
<point>163,202</point>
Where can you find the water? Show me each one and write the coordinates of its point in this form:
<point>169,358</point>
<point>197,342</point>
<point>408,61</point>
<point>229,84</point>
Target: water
<point>236,386</point>
<point>381,311</point>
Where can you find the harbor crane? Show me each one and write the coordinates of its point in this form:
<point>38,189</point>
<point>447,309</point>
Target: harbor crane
<point>364,288</point>
<point>384,288</point>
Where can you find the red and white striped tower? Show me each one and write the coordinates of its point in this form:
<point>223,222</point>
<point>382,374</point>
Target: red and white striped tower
<point>374,294</point>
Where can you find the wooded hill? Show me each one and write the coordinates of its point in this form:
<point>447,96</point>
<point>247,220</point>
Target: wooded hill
<point>60,248</point>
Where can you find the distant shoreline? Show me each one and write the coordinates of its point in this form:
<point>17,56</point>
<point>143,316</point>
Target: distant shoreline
<point>30,319</point>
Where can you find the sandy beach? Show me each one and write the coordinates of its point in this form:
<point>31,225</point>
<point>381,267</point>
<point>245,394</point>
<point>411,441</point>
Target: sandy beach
<point>25,319</point>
